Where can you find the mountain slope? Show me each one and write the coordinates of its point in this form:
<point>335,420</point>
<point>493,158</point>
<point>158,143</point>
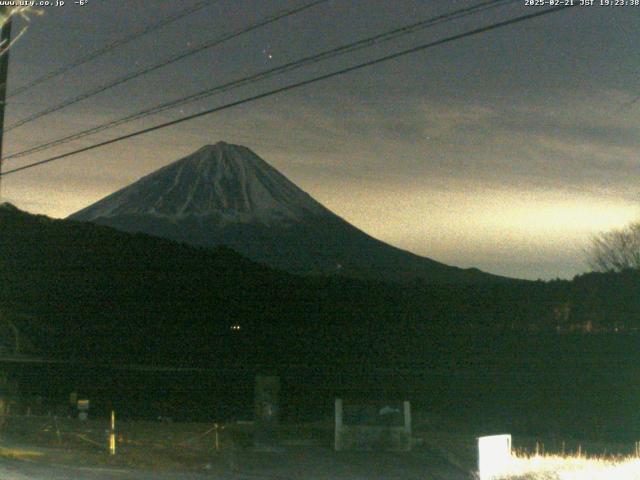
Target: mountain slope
<point>92,290</point>
<point>226,195</point>
<point>89,291</point>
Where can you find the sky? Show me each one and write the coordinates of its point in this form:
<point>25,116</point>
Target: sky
<point>504,151</point>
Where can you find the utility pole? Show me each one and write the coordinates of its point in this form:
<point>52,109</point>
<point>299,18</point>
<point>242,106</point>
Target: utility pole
<point>5,42</point>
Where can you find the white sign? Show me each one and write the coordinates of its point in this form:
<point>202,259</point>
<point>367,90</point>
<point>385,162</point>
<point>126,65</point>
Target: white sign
<point>494,456</point>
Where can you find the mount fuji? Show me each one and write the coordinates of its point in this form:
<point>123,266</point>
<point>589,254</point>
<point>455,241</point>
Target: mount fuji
<point>225,194</point>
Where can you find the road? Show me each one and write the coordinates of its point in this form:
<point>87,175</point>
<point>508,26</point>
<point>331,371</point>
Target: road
<point>21,470</point>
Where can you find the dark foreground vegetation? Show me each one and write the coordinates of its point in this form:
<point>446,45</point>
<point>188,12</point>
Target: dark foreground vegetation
<point>555,356</point>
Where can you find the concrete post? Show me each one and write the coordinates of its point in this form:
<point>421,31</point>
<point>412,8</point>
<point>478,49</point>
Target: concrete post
<point>407,417</point>
<point>267,411</point>
<point>338,425</point>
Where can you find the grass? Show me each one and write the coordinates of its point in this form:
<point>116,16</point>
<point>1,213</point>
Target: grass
<point>19,453</point>
<point>164,446</point>
<point>573,467</point>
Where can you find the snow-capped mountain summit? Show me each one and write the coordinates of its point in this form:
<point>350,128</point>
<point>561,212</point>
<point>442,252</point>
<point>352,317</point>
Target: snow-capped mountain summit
<point>227,195</point>
<point>224,180</point>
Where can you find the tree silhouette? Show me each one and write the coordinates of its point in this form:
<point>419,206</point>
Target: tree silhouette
<point>616,250</point>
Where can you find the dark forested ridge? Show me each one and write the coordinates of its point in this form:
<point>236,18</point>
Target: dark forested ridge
<point>84,290</point>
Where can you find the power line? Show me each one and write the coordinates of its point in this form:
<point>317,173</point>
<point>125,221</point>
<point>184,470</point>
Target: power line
<point>302,83</point>
<point>113,45</point>
<point>180,56</point>
<point>348,48</point>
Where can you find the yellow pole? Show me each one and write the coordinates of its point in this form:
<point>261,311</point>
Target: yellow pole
<point>112,435</point>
